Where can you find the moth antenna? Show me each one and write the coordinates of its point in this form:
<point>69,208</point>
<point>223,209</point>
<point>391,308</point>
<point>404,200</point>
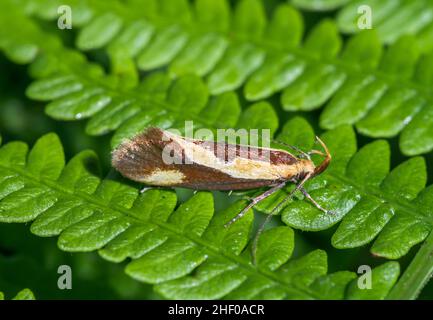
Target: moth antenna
<point>320,153</point>
<point>306,155</point>
<point>325,163</point>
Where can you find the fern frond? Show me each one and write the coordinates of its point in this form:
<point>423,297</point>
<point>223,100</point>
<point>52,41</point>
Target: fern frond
<point>370,201</point>
<point>25,294</point>
<point>384,93</point>
<point>160,102</point>
<point>164,246</point>
<point>80,90</point>
<point>391,19</point>
<point>319,5</point>
<point>185,251</point>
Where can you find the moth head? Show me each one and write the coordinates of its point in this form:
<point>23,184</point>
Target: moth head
<point>327,158</point>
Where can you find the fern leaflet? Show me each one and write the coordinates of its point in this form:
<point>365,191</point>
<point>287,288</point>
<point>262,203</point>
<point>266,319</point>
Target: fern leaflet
<point>25,294</point>
<point>185,251</point>
<point>392,19</point>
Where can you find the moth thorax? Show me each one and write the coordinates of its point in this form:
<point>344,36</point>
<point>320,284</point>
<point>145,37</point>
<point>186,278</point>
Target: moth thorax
<point>305,167</point>
<point>299,169</point>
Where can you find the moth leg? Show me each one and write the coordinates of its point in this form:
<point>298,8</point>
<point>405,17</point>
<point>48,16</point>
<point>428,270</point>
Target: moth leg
<point>254,202</point>
<point>144,189</point>
<point>318,206</point>
<point>268,218</point>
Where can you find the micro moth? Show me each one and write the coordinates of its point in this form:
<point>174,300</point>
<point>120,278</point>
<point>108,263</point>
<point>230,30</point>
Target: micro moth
<point>160,158</point>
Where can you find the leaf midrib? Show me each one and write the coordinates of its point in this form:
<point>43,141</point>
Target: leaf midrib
<point>406,207</point>
<point>287,286</point>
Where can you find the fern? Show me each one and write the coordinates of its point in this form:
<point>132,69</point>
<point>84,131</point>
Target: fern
<point>392,207</point>
<point>320,5</point>
<point>383,94</point>
<point>391,19</point>
<point>25,294</point>
<point>156,100</point>
<point>185,251</point>
<point>383,278</point>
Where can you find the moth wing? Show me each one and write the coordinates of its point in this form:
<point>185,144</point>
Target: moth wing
<point>144,159</point>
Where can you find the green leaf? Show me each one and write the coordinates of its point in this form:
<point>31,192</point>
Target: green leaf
<point>404,231</point>
<point>223,109</point>
<point>275,74</point>
<point>285,18</point>
<point>78,105</point>
<point>53,88</point>
<point>391,19</point>
<point>317,82</point>
<point>194,217</point>
<point>134,37</point>
<point>370,165</point>
<point>382,280</point>
<point>45,160</point>
<point>364,50</point>
<point>275,247</point>
<point>99,32</point>
<point>416,275</point>
<point>260,115</point>
<point>25,294</point>
<point>297,132</point>
<point>213,13</point>
<point>163,48</point>
<point>249,18</point>
<point>342,147</point>
<point>234,68</point>
<point>200,56</point>
<point>320,4</point>
<point>324,40</point>
<point>188,94</point>
<point>333,285</point>
<point>307,268</point>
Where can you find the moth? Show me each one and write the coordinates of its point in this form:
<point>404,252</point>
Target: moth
<point>160,158</point>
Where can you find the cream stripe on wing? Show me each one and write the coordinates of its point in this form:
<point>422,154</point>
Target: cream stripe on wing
<point>240,168</point>
<point>163,177</point>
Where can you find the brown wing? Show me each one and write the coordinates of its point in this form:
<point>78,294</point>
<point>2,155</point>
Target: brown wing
<point>231,151</point>
<point>142,156</point>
